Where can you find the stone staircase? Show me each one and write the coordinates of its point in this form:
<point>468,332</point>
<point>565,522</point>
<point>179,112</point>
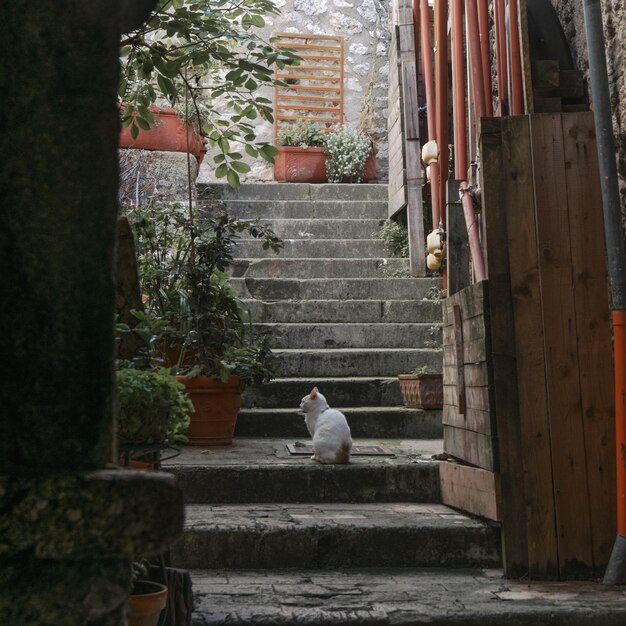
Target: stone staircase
<point>337,322</point>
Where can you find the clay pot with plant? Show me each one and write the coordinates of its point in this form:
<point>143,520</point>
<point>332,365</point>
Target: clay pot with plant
<point>422,389</point>
<point>147,598</point>
<point>301,154</point>
<point>204,331</point>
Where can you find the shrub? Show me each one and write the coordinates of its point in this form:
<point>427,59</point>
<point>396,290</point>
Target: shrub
<point>303,134</point>
<point>347,153</point>
<point>395,239</point>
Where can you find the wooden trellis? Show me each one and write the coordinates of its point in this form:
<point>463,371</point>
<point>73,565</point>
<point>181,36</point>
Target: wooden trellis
<point>314,89</point>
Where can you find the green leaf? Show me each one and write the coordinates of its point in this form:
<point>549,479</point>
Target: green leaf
<point>134,131</point>
<point>240,167</point>
<point>233,179</point>
<point>221,171</point>
<point>251,150</point>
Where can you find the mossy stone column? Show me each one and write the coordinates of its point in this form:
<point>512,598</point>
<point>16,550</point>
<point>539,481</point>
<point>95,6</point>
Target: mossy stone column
<point>70,522</point>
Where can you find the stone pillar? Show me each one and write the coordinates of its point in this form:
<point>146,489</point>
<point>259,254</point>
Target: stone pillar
<point>70,523</point>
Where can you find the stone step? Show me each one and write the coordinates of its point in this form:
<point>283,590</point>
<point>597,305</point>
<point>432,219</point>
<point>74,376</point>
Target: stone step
<point>341,311</point>
<point>310,336</point>
<point>259,470</point>
<point>320,268</point>
<point>312,248</point>
<point>333,288</point>
<point>399,597</point>
<point>333,535</point>
<point>349,391</point>
<point>317,228</point>
<point>356,362</point>
<point>368,422</point>
<point>294,191</point>
<point>307,209</point>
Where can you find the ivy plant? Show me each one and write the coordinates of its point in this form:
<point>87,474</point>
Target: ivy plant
<point>206,58</point>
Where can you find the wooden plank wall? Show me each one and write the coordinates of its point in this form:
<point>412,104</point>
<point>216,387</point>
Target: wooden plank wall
<point>542,204</point>
<point>405,171</point>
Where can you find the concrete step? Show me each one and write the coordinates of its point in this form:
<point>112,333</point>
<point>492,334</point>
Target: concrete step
<point>316,228</point>
<point>333,535</point>
<point>374,391</point>
<point>260,470</point>
<point>333,288</point>
<point>341,311</point>
<point>320,268</point>
<point>399,597</point>
<point>306,209</point>
<point>309,336</point>
<point>368,422</point>
<point>356,362</point>
<point>313,248</point>
<point>294,191</point>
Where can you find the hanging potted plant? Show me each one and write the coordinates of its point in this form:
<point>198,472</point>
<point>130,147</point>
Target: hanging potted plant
<point>422,389</point>
<point>203,332</point>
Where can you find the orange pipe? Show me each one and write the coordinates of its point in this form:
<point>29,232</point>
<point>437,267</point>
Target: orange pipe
<point>458,76</point>
<point>476,63</point>
<point>619,331</point>
<point>502,69</point>
<point>429,86</point>
<point>441,100</point>
<point>471,225</point>
<point>483,29</point>
<point>517,89</point>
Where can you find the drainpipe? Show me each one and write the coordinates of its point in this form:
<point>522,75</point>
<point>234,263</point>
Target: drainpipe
<point>517,88</point>
<point>471,224</point>
<point>429,87</point>
<point>483,29</point>
<point>616,257</point>
<point>501,63</point>
<point>458,76</point>
<point>441,100</point>
<point>476,62</point>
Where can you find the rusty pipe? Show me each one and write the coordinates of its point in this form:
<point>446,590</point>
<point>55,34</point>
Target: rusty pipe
<point>502,69</point>
<point>517,85</point>
<point>441,101</point>
<point>475,61</point>
<point>458,92</point>
<point>483,30</point>
<point>471,224</point>
<point>429,87</point>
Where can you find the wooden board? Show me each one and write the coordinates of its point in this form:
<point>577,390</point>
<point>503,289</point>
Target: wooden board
<point>593,332</point>
<point>470,489</point>
<point>457,250</point>
<point>470,446</point>
<point>514,535</point>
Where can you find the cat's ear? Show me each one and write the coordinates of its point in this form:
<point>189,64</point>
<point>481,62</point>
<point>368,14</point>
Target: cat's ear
<point>313,393</point>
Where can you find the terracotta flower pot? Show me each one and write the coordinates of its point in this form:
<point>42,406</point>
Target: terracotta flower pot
<point>216,406</point>
<point>146,603</point>
<point>422,391</point>
<point>168,135</point>
<point>293,164</point>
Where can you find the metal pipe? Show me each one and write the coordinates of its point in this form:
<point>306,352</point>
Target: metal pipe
<point>517,85</point>
<point>471,224</point>
<point>441,100</point>
<point>475,61</point>
<point>616,257</point>
<point>503,70</point>
<point>483,30</point>
<point>429,86</point>
<point>458,92</point>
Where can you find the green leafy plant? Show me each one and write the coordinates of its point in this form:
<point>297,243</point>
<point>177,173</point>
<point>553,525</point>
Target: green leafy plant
<point>182,262</point>
<point>347,152</point>
<point>395,238</point>
<point>303,134</point>
<point>423,369</point>
<point>152,407</point>
<point>435,293</point>
<point>207,59</point>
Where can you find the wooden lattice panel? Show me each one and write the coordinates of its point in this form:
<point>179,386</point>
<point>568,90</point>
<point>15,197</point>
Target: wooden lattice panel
<point>315,87</point>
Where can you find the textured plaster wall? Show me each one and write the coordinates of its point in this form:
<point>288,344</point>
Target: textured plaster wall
<point>614,12</point>
<point>364,25</point>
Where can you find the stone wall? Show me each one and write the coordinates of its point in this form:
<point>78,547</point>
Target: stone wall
<point>364,25</point>
<point>614,12</point>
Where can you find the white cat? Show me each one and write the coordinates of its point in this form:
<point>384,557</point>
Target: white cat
<point>328,428</point>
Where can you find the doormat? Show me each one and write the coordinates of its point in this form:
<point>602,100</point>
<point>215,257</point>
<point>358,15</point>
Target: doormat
<point>306,449</point>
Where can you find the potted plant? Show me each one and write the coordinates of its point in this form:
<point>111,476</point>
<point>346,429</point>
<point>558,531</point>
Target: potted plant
<point>351,156</point>
<point>422,389</point>
<point>203,332</point>
<point>147,598</point>
<point>301,154</point>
